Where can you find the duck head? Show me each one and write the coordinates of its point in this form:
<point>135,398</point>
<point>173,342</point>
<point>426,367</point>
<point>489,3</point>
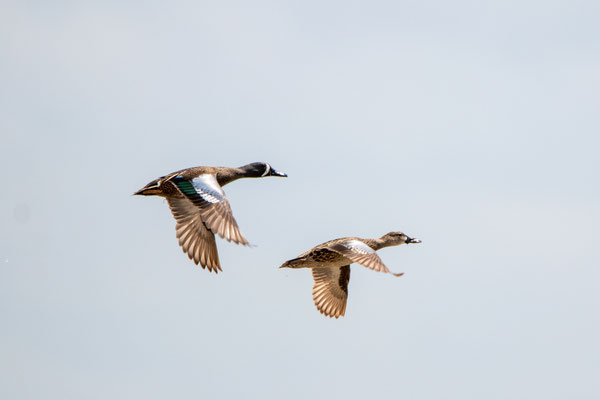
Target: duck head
<point>397,238</point>
<point>260,169</point>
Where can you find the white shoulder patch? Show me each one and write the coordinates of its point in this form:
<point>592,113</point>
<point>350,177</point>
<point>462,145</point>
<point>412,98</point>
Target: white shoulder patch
<point>208,188</point>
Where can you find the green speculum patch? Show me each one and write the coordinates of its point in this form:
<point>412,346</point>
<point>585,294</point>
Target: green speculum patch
<point>186,187</point>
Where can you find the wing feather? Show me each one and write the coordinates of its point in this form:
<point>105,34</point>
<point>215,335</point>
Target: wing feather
<point>362,254</point>
<point>207,195</point>
<point>195,239</point>
<point>330,291</point>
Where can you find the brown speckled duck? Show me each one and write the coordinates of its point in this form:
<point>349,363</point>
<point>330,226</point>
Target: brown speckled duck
<point>199,205</point>
<point>330,263</point>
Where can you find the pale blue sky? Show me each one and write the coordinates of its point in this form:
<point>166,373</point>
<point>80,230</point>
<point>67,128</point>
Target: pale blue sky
<point>471,125</point>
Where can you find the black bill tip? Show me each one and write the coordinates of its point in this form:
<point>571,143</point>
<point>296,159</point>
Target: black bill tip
<point>277,173</point>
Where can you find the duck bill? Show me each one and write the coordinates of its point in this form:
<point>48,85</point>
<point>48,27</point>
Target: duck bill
<point>413,240</point>
<point>277,173</point>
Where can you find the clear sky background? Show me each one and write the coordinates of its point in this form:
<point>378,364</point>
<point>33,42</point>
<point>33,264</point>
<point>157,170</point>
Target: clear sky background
<point>471,125</point>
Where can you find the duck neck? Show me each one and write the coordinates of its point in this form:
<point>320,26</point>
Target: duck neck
<point>375,244</point>
<point>228,175</point>
<point>254,170</point>
<point>380,243</point>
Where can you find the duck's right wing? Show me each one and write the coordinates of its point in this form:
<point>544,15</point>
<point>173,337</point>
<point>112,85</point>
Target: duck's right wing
<point>207,195</point>
<point>194,238</point>
<point>330,291</point>
<point>362,254</point>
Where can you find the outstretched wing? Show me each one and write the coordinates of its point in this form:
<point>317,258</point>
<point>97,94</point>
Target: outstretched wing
<point>362,254</point>
<point>194,238</point>
<point>330,291</point>
<point>207,195</point>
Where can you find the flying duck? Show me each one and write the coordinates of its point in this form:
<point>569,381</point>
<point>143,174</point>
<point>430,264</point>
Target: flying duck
<point>330,263</point>
<point>198,203</point>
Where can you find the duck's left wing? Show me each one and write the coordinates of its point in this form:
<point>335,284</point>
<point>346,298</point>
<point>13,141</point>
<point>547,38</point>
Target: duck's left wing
<point>206,194</point>
<point>330,291</point>
<point>362,254</point>
<point>194,238</point>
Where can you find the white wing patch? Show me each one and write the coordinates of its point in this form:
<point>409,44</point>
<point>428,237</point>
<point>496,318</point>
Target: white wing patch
<point>360,253</point>
<point>358,247</point>
<point>208,188</point>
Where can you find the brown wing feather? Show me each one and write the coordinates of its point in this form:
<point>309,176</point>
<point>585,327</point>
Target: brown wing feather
<point>362,254</point>
<point>219,218</point>
<point>369,260</point>
<point>330,291</point>
<point>194,238</point>
<point>214,207</point>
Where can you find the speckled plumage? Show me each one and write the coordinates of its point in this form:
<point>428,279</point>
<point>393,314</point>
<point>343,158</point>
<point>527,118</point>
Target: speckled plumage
<point>201,209</point>
<point>330,264</point>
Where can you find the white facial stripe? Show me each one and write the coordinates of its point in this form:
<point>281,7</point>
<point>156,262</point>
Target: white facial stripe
<point>266,171</point>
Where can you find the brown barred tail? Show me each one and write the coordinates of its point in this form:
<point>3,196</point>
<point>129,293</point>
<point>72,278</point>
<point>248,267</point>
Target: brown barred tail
<point>151,189</point>
<point>294,263</point>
